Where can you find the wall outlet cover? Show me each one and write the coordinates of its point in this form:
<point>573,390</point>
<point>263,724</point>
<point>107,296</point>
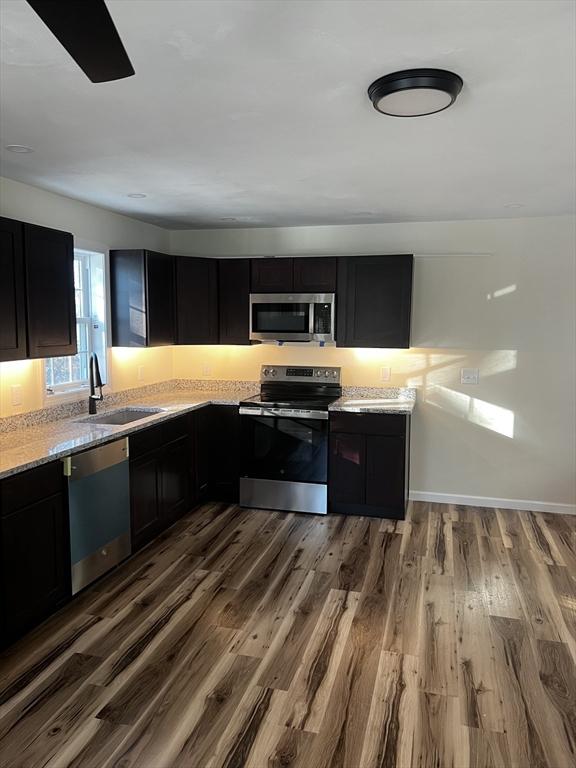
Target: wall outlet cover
<point>469,375</point>
<point>385,373</point>
<point>206,370</point>
<point>16,394</point>
<point>141,373</point>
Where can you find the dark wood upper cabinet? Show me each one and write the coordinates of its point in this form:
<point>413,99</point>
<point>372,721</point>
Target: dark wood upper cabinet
<point>142,298</point>
<point>12,292</point>
<point>315,275</point>
<point>160,287</point>
<point>50,305</point>
<point>197,300</point>
<point>374,301</point>
<point>272,275</point>
<point>234,300</point>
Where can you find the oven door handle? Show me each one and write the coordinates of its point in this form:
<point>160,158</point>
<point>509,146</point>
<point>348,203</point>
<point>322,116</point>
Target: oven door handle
<point>292,413</point>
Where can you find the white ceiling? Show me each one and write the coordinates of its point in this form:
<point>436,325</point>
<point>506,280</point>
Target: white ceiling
<point>257,110</point>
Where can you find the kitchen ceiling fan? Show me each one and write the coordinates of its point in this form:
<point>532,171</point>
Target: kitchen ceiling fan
<point>85,28</point>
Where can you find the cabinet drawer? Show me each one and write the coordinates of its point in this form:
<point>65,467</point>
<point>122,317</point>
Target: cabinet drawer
<point>175,429</point>
<point>368,423</point>
<point>28,487</point>
<point>146,440</point>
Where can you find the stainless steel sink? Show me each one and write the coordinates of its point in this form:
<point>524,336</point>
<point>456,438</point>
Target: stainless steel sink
<point>122,416</point>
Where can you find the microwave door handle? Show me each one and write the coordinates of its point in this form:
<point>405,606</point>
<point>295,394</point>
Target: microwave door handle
<point>311,319</point>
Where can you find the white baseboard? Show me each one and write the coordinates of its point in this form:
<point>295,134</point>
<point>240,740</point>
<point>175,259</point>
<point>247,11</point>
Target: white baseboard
<point>488,501</point>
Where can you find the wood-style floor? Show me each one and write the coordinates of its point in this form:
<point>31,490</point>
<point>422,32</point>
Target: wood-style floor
<point>254,638</point>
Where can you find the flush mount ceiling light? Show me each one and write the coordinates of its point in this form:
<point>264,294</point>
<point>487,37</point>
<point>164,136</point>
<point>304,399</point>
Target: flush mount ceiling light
<point>136,195</point>
<point>19,149</point>
<point>415,92</point>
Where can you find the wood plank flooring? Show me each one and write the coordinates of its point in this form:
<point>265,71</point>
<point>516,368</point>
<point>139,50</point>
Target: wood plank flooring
<point>254,639</point>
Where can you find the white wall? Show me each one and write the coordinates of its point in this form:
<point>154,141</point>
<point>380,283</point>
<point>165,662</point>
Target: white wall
<point>93,228</point>
<point>498,295</point>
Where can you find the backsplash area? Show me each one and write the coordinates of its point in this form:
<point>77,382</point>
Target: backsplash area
<point>114,399</point>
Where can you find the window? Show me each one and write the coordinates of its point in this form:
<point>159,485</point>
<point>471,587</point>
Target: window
<point>66,374</point>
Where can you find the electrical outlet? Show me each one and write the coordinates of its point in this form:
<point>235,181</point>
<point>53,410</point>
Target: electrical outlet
<point>16,394</point>
<point>469,375</point>
<point>206,370</point>
<point>385,373</point>
<point>141,373</point>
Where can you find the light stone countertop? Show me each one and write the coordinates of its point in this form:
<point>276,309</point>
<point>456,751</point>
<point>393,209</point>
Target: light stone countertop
<point>31,446</point>
<point>371,404</point>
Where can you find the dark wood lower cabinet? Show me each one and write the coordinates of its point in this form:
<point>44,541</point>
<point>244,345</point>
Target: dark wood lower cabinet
<point>160,478</point>
<point>217,446</point>
<point>369,464</point>
<point>145,508</point>
<point>34,550</point>
<point>175,480</point>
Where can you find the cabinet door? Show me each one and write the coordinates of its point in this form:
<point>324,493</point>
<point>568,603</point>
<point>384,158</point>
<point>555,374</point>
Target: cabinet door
<point>51,313</point>
<point>12,295</point>
<point>385,485</point>
<point>217,446</point>
<point>34,565</point>
<point>175,481</point>
<point>234,300</point>
<point>145,508</point>
<point>347,469</point>
<point>315,275</point>
<point>161,300</point>
<point>272,276</point>
<point>128,298</point>
<point>374,300</point>
<point>197,300</point>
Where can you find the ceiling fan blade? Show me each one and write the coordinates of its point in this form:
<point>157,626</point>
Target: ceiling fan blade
<point>85,28</point>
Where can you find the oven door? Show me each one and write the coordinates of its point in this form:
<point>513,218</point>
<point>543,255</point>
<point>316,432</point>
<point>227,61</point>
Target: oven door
<point>284,461</point>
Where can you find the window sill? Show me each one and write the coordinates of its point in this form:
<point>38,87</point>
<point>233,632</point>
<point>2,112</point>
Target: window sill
<point>66,395</point>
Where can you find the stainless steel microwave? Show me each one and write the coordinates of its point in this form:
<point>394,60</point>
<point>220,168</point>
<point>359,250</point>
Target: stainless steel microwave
<point>292,316</point>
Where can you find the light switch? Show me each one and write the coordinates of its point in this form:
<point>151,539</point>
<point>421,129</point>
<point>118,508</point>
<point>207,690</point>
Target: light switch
<point>16,394</point>
<point>469,375</point>
<point>385,373</point>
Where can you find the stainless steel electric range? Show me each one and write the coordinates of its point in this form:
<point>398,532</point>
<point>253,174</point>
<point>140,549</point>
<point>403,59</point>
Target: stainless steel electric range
<point>284,439</point>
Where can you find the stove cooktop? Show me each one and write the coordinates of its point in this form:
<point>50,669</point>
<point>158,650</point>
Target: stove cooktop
<point>300,402</point>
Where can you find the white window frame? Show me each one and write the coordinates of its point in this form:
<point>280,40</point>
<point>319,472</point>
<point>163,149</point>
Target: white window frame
<point>70,388</point>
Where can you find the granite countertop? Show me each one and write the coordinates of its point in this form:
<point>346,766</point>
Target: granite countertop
<point>399,400</point>
<point>29,447</point>
<point>371,404</point>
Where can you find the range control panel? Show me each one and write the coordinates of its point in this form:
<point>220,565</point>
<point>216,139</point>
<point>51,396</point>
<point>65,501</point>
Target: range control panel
<point>300,373</point>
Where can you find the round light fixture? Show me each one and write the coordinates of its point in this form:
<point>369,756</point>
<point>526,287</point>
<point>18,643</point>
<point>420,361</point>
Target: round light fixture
<point>135,195</point>
<point>19,149</point>
<point>415,92</point>
<point>514,205</point>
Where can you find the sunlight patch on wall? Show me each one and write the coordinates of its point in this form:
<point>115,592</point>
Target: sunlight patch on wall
<point>501,292</point>
<point>480,412</point>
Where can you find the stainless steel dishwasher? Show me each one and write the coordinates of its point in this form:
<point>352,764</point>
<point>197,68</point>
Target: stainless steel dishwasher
<point>99,505</point>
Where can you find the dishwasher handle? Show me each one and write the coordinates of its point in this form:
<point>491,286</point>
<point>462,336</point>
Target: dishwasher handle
<point>90,462</point>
